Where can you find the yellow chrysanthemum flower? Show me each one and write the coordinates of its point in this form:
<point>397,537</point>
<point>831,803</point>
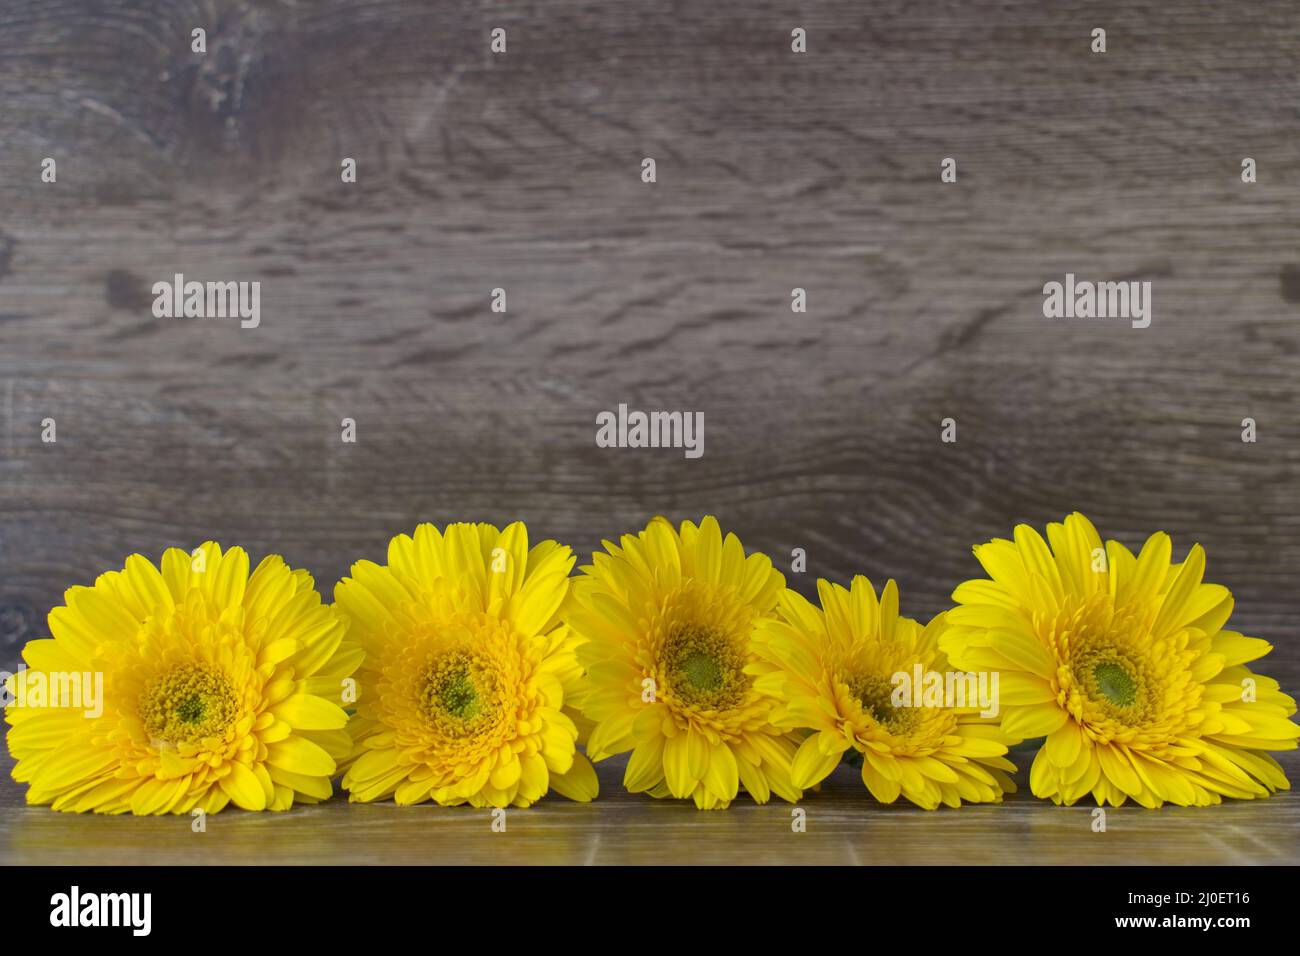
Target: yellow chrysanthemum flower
<point>217,686</point>
<point>837,671</point>
<point>469,678</point>
<point>1123,664</point>
<point>669,621</point>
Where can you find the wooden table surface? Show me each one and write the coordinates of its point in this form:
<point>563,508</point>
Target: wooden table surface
<point>775,170</point>
<point>843,826</point>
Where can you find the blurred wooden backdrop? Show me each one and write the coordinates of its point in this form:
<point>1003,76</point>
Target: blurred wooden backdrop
<point>775,170</point>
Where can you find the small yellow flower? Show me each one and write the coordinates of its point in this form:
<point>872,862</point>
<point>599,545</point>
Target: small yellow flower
<point>837,670</point>
<point>218,687</point>
<point>1124,665</point>
<point>469,678</point>
<point>669,620</point>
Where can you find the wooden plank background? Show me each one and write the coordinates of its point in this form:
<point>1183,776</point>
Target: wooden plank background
<point>775,170</point>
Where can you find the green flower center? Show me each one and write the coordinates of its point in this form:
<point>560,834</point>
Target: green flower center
<point>702,672</point>
<point>458,694</point>
<point>705,669</point>
<point>875,695</point>
<point>460,697</point>
<point>187,704</point>
<point>1115,683</point>
<point>191,710</point>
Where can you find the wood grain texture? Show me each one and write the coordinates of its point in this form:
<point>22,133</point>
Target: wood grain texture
<point>774,171</point>
<point>844,827</point>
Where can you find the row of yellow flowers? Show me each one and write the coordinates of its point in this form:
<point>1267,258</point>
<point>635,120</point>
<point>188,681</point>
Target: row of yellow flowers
<point>472,666</point>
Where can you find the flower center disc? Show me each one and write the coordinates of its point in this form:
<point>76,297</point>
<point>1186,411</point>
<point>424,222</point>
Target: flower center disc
<point>1115,683</point>
<point>704,669</point>
<point>875,694</point>
<point>187,704</point>
<point>458,694</point>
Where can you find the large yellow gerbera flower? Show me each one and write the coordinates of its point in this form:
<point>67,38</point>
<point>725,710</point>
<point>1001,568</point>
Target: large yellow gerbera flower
<point>669,621</point>
<point>1123,664</point>
<point>217,686</point>
<point>847,672</point>
<point>468,677</point>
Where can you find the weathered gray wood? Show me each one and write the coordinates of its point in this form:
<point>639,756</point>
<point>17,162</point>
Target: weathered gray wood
<point>775,171</point>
